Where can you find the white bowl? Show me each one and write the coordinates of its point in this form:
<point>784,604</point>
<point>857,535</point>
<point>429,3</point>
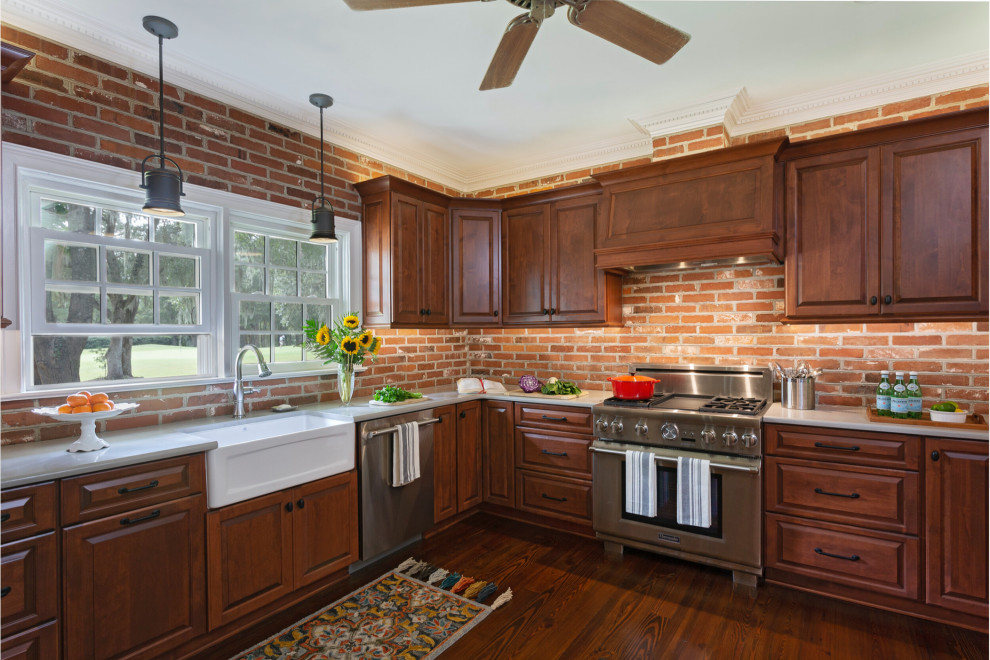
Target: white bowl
<point>958,417</point>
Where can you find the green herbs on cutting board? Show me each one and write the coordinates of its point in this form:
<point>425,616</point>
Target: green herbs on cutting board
<point>559,387</point>
<point>391,394</point>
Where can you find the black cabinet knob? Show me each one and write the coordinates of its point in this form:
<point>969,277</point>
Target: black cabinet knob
<point>496,312</point>
<point>288,507</point>
<point>422,311</point>
<point>463,414</point>
<point>301,503</point>
<point>887,300</point>
<point>873,300</point>
<point>936,455</point>
<point>545,311</point>
<point>429,311</point>
<point>553,310</point>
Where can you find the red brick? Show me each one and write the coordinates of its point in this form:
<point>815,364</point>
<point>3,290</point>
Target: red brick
<point>64,134</point>
<point>35,110</point>
<point>99,66</point>
<point>101,128</point>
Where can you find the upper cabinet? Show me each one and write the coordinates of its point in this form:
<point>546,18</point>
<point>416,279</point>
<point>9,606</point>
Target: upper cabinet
<point>475,252</point>
<point>548,262</point>
<point>889,224</point>
<point>406,254</point>
<point>710,206</point>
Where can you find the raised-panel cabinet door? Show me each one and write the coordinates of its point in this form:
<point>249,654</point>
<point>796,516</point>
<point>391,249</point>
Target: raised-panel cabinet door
<point>324,527</point>
<point>577,287</point>
<point>445,461</point>
<point>377,260</point>
<point>406,259</point>
<point>39,643</point>
<point>475,252</point>
<point>435,264</point>
<point>133,583</point>
<point>832,235</point>
<point>956,519</point>
<point>468,455</point>
<point>498,454</point>
<point>935,224</point>
<point>525,265</point>
<point>29,578</point>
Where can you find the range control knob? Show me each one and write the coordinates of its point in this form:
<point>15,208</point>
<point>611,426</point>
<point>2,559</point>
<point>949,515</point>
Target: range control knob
<point>669,431</point>
<point>617,425</point>
<point>602,424</point>
<point>708,435</point>
<point>749,439</point>
<point>730,438</point>
<point>641,428</point>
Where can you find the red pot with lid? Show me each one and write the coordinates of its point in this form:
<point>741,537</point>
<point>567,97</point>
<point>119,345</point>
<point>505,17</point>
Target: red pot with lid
<point>632,387</point>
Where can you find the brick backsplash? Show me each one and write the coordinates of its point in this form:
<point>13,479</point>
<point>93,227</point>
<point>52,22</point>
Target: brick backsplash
<point>72,103</point>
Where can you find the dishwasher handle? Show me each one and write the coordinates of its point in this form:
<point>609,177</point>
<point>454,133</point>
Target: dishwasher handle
<point>393,429</point>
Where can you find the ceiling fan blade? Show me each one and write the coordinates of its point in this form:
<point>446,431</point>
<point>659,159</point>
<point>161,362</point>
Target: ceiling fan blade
<point>367,5</point>
<point>628,28</point>
<point>511,51</point>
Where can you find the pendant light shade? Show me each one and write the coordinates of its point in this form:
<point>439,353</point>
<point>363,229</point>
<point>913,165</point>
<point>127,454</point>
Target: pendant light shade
<point>323,226</point>
<point>163,186</point>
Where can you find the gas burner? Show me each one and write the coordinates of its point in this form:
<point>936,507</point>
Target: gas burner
<point>734,404</point>
<point>635,403</point>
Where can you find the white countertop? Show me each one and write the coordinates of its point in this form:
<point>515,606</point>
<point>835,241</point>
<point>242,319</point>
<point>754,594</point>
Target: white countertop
<point>847,417</point>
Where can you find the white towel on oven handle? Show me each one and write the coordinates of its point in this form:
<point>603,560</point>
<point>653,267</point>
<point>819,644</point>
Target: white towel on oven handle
<point>405,454</point>
<point>641,484</point>
<point>694,492</point>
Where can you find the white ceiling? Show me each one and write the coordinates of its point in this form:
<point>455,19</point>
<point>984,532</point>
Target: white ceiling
<point>405,81</point>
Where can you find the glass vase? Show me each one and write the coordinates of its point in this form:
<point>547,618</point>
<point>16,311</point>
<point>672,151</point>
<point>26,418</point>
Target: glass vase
<point>345,383</point>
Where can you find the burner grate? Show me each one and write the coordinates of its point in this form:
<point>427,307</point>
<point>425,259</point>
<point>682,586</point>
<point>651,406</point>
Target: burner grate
<point>734,404</point>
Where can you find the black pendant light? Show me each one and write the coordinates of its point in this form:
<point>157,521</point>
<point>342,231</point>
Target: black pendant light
<point>323,229</point>
<point>164,187</point>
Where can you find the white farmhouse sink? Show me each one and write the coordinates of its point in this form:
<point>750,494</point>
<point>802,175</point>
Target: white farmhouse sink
<point>259,456</point>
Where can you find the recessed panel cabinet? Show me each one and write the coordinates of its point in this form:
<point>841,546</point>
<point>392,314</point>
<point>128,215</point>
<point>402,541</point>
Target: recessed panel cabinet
<point>475,250</point>
<point>456,459</point>
<point>889,224</point>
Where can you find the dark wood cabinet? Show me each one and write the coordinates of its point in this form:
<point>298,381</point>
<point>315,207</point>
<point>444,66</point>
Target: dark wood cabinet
<point>444,464</point>
<point>469,453</point>
<point>27,511</point>
<point>406,254</point>
<point>498,482</point>
<point>28,583</point>
<point>956,515</point>
<point>39,643</point>
<point>475,249</point>
<point>457,459</point>
<point>889,224</point>
<point>264,548</point>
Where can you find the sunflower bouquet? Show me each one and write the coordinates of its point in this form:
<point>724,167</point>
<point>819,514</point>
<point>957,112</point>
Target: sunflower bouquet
<point>345,342</point>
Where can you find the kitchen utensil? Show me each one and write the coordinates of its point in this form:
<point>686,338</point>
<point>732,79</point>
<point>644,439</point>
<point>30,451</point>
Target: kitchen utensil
<point>632,387</point>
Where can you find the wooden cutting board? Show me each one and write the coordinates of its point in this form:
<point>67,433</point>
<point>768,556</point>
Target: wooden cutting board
<point>541,395</point>
<point>974,422</point>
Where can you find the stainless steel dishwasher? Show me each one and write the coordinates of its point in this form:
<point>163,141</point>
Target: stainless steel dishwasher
<point>393,516</point>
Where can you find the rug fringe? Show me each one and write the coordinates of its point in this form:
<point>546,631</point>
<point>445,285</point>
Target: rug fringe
<point>450,581</point>
<point>503,599</point>
<point>485,592</point>
<point>401,568</point>
<point>473,590</point>
<point>437,576</point>
<point>467,587</point>
<point>461,585</point>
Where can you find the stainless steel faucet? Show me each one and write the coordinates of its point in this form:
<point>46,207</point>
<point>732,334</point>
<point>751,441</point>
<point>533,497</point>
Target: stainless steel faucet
<point>239,389</point>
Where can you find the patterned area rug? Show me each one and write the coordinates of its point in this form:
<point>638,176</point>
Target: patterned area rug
<point>413,612</point>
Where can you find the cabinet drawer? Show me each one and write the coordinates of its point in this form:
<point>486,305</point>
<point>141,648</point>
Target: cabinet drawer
<point>111,492</point>
<point>27,511</point>
<point>29,584</point>
<point>555,418</point>
<point>874,561</point>
<point>555,496</point>
<point>547,450</point>
<point>868,497</point>
<point>39,643</point>
<point>853,447</point>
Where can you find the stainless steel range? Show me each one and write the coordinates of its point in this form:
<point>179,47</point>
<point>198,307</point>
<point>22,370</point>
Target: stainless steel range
<point>711,412</point>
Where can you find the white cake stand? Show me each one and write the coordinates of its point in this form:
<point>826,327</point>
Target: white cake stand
<point>87,440</point>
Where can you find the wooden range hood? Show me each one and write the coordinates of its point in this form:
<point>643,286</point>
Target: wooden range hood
<point>719,206</point>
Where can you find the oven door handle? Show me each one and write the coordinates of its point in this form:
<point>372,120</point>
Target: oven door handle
<point>671,459</point>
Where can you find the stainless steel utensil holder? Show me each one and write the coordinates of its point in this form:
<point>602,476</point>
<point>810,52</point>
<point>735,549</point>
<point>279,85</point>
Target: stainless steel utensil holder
<point>797,393</point>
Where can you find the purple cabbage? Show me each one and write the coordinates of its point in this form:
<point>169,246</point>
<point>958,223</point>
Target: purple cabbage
<point>529,383</point>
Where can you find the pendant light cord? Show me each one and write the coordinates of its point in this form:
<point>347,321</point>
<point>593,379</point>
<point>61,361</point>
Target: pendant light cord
<point>161,101</point>
<point>322,196</point>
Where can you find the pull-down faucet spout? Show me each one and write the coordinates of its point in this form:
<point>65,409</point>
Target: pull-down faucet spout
<point>239,389</point>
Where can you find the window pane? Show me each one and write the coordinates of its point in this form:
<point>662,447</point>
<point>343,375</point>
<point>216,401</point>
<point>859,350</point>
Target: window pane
<point>314,285</point>
<point>283,252</point>
<point>130,307</point>
<point>178,271</point>
<point>313,257</point>
<point>249,279</point>
<point>175,232</point>
<point>263,342</point>
<point>63,216</point>
<point>249,248</point>
<point>71,262</point>
<point>288,348</point>
<point>64,360</point>
<point>288,316</point>
<point>178,309</point>
<point>125,225</point>
<point>319,313</point>
<point>255,316</point>
<point>76,305</point>
<point>282,282</point>
<point>128,267</point>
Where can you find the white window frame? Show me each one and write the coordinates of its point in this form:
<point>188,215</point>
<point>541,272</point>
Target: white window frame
<point>25,169</point>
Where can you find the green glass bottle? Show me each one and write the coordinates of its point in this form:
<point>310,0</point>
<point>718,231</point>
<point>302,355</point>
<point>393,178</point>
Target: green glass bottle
<point>914,396</point>
<point>899,398</point>
<point>883,394</point>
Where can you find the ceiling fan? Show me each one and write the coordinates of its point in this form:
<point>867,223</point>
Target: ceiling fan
<point>611,20</point>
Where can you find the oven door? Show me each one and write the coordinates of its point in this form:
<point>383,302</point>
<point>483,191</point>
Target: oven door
<point>734,538</point>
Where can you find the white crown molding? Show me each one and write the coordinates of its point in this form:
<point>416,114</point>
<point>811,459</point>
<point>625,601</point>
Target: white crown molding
<point>685,118</point>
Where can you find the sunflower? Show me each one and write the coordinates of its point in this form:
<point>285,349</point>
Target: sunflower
<point>349,345</point>
<point>376,345</point>
<point>323,336</point>
<point>351,321</point>
<point>366,338</point>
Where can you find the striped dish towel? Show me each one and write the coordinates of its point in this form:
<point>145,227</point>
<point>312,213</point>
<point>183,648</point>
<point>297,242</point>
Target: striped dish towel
<point>405,454</point>
<point>641,484</point>
<point>694,492</point>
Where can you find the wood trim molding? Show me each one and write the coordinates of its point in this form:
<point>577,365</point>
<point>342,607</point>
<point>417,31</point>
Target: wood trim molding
<point>13,60</point>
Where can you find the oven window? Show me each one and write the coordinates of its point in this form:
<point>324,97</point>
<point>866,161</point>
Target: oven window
<point>667,504</point>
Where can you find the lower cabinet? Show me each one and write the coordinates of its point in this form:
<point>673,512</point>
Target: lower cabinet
<point>39,643</point>
<point>498,479</point>
<point>29,577</point>
<point>266,547</point>
<point>456,459</point>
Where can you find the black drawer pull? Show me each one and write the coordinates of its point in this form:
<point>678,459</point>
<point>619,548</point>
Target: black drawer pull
<point>4,592</point>
<point>829,554</point>
<point>123,490</point>
<point>555,499</point>
<point>4,517</point>
<point>822,445</point>
<point>554,419</point>
<point>554,453</point>
<point>151,516</point>
<point>301,504</point>
<point>852,496</point>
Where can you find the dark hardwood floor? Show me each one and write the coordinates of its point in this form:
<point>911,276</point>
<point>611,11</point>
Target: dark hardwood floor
<point>572,601</point>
